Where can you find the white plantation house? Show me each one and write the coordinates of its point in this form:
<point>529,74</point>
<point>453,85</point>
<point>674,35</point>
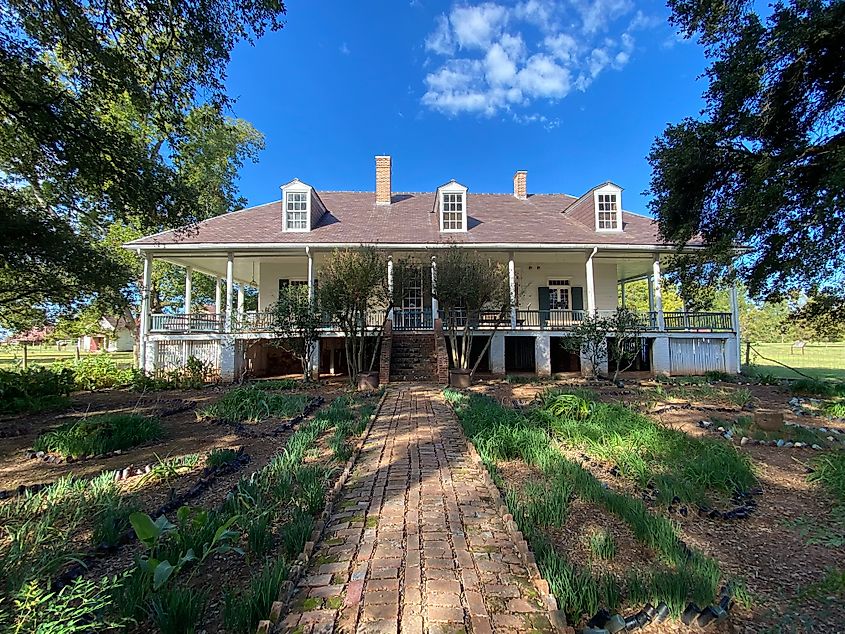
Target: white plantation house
<point>566,255</point>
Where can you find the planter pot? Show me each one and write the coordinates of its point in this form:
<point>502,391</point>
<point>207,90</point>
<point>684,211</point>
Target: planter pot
<point>460,379</point>
<point>367,381</point>
<point>768,419</point>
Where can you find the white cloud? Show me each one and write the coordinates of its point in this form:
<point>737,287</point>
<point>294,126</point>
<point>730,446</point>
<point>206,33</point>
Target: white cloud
<point>344,49</point>
<point>477,26</point>
<point>505,58</point>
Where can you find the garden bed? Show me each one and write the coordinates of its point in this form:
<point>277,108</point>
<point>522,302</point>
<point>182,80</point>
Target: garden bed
<point>180,473</point>
<point>786,552</point>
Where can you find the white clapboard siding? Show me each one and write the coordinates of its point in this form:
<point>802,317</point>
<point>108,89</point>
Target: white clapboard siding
<point>175,354</point>
<point>696,356</point>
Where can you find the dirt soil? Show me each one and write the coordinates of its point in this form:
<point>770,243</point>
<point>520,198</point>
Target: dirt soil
<point>768,550</point>
<point>185,435</point>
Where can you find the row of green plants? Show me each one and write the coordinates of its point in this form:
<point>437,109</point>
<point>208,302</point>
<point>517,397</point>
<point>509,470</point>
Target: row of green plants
<point>679,466</point>
<point>253,403</point>
<point>100,434</point>
<point>45,388</point>
<point>679,574</point>
<point>266,518</point>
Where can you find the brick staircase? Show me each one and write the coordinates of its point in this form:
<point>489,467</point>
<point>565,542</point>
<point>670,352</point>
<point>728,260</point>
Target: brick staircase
<point>413,358</point>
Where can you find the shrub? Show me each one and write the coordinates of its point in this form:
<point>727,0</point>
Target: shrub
<point>817,387</point>
<point>98,371</point>
<point>35,389</point>
<point>252,405</point>
<point>96,435</point>
<point>601,544</point>
<point>192,376</point>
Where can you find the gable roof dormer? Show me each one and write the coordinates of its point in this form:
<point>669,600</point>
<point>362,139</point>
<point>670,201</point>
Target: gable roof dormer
<point>450,205</point>
<point>301,207</point>
<point>600,208</point>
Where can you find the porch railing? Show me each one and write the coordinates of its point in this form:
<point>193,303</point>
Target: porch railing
<point>407,320</point>
<point>698,322</point>
<point>186,323</point>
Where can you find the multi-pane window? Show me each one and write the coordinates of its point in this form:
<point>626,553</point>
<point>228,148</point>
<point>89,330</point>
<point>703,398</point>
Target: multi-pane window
<point>608,211</point>
<point>559,295</point>
<point>296,216</point>
<point>453,212</point>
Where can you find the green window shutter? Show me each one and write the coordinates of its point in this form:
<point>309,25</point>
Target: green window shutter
<point>577,298</point>
<point>543,303</point>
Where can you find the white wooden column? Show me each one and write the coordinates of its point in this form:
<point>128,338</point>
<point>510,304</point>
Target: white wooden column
<point>512,288</point>
<point>591,283</point>
<point>146,283</point>
<point>650,294</point>
<point>230,270</point>
<point>656,285</point>
<point>241,298</point>
<point>189,271</point>
<point>735,320</point>
<point>310,274</point>
<point>435,307</point>
<point>390,281</point>
<point>218,299</point>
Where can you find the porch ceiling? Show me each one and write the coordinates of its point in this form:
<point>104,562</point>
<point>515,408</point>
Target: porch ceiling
<point>215,265</point>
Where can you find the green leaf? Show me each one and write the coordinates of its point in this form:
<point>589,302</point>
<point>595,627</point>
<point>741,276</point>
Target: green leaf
<point>144,527</point>
<point>162,574</point>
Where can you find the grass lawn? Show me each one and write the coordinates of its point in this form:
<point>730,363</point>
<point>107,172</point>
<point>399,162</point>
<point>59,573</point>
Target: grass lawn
<point>12,356</point>
<point>820,360</point>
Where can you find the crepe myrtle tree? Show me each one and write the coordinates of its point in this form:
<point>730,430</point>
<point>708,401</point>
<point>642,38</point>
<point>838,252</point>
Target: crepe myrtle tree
<point>598,337</point>
<point>469,289</point>
<point>296,324</point>
<point>353,283</point>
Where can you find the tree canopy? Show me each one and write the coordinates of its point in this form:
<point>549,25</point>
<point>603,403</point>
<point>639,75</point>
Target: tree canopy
<point>111,112</point>
<point>764,166</point>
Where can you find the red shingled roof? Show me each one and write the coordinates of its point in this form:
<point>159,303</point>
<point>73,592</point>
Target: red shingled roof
<point>354,218</point>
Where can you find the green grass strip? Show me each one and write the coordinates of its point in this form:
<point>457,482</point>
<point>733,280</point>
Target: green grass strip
<point>95,435</point>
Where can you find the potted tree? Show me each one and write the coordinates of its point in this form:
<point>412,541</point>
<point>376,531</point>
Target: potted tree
<point>296,324</point>
<point>471,290</point>
<point>353,284</point>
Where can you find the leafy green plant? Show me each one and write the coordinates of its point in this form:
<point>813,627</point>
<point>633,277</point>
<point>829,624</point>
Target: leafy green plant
<point>35,389</point>
<point>252,405</point>
<point>243,610</point>
<point>569,406</point>
<point>98,371</point>
<point>834,409</point>
<point>818,387</point>
<point>78,607</point>
<point>601,544</point>
<point>648,453</point>
<point>111,521</point>
<point>829,472</point>
<point>193,375</point>
<point>278,384</point>
<point>296,532</point>
<point>218,457</point>
<point>259,537</point>
<point>94,435</point>
<point>178,610</point>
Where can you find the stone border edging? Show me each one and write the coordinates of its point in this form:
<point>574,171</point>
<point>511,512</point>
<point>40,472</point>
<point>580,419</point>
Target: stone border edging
<point>288,587</point>
<point>556,616</point>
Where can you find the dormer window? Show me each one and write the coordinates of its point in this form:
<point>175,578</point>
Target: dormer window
<point>608,209</point>
<point>453,212</point>
<point>452,206</point>
<point>296,217</point>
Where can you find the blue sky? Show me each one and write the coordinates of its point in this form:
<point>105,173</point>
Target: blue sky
<point>574,91</point>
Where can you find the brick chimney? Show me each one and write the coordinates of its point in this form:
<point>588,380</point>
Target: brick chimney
<point>383,173</point>
<point>520,184</point>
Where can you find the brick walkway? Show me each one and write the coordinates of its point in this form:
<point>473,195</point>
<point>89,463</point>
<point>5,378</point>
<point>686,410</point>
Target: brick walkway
<point>416,543</point>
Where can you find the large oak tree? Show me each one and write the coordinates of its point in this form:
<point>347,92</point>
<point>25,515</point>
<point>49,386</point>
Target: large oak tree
<point>100,107</point>
<point>764,164</point>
